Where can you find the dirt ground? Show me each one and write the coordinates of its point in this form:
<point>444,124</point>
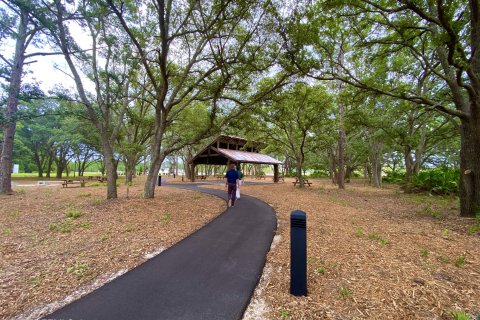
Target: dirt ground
<point>48,258</point>
<point>372,254</point>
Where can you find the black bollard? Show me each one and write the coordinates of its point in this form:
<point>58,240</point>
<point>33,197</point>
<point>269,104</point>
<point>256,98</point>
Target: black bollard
<point>159,180</point>
<point>298,253</point>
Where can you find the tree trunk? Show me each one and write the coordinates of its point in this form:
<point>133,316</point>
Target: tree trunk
<point>470,168</point>
<point>130,162</point>
<point>49,164</point>
<point>157,158</point>
<point>376,156</point>
<point>110,168</point>
<point>341,150</point>
<point>409,167</point>
<point>38,162</point>
<point>298,167</point>
<point>12,107</point>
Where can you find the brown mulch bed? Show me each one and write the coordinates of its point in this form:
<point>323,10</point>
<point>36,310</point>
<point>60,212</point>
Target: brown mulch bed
<point>46,256</point>
<point>372,254</point>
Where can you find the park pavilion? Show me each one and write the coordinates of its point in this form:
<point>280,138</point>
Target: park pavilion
<point>225,150</point>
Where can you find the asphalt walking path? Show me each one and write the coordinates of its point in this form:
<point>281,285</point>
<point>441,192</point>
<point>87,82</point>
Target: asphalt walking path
<point>211,274</point>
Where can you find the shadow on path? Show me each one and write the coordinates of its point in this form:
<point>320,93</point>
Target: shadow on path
<point>211,274</point>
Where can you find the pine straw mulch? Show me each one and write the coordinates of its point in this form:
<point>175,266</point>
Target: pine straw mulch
<point>372,254</point>
<point>45,257</point>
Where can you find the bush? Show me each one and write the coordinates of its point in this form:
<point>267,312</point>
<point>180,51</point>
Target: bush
<point>318,174</point>
<point>394,177</point>
<point>441,180</point>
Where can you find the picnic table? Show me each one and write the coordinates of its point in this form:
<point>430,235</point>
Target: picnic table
<point>67,182</point>
<point>305,181</point>
<point>260,176</point>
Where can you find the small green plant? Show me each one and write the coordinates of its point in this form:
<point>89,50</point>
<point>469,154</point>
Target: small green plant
<point>85,194</point>
<point>74,214</point>
<point>97,202</point>
<point>424,252</point>
<point>345,292</point>
<point>85,225</point>
<point>460,261</point>
<point>429,211</point>
<point>320,270</point>
<point>459,315</point>
<point>443,258</point>
<point>37,281</point>
<point>377,237</point>
<point>63,227</point>
<point>359,231</point>
<point>20,191</point>
<point>474,229</point>
<point>128,228</point>
<point>445,232</point>
<point>105,237</point>
<point>6,231</point>
<point>167,217</point>
<point>95,184</point>
<point>79,269</point>
<point>13,213</point>
<point>284,313</point>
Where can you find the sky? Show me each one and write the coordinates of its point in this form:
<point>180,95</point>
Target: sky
<point>48,71</point>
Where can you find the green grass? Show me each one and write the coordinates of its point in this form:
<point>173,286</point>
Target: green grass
<point>85,194</point>
<point>12,213</point>
<point>167,217</point>
<point>429,211</point>
<point>74,214</point>
<point>320,270</point>
<point>6,231</point>
<point>424,252</point>
<point>359,231</point>
<point>85,225</point>
<point>377,237</point>
<point>459,315</point>
<point>474,229</point>
<point>443,258</point>
<point>105,237</point>
<point>284,313</point>
<point>80,270</point>
<point>460,261</point>
<point>345,292</point>
<point>63,227</point>
<point>97,202</point>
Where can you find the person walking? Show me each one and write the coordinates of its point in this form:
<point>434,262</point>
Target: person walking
<point>240,182</point>
<point>231,184</point>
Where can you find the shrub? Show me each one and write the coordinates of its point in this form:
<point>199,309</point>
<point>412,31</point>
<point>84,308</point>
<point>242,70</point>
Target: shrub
<point>441,180</point>
<point>318,174</point>
<point>394,177</point>
<point>74,214</point>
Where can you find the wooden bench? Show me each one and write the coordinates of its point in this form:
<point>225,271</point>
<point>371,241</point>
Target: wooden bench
<point>67,182</point>
<point>260,176</point>
<point>219,177</point>
<point>202,177</point>
<point>305,181</point>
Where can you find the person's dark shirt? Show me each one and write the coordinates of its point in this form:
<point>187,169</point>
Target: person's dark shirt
<point>232,176</point>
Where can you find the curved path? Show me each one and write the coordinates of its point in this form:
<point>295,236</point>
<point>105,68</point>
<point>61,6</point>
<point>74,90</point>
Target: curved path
<point>211,274</point>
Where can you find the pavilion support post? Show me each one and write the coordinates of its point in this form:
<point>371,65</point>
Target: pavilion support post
<point>275,173</point>
<point>192,178</point>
